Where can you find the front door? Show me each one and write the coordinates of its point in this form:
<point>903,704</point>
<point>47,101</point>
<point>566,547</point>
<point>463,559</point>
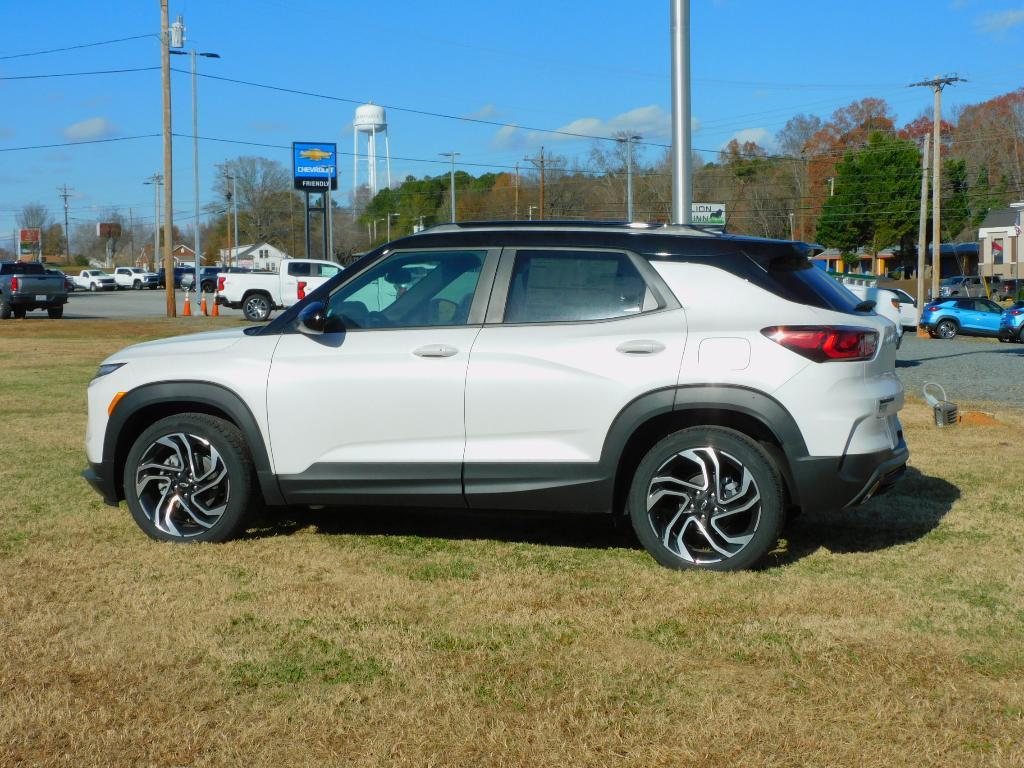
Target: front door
<point>373,410</point>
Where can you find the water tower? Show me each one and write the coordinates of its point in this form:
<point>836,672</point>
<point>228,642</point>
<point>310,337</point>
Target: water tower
<point>371,120</point>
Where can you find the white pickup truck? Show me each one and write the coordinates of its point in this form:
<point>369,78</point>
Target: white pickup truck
<point>134,277</point>
<point>258,294</point>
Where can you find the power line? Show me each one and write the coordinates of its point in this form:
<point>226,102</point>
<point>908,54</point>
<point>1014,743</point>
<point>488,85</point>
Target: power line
<point>75,47</point>
<point>78,74</point>
<point>76,143</point>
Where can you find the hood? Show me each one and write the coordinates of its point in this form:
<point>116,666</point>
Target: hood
<point>193,343</point>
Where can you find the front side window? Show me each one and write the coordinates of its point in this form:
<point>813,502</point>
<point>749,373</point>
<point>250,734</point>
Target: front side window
<point>409,290</point>
<point>550,286</point>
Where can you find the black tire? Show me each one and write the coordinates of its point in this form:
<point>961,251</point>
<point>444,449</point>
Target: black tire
<point>237,495</point>
<point>256,307</point>
<point>137,285</point>
<point>19,314</point>
<point>947,329</point>
<point>55,313</point>
<point>753,532</point>
<point>93,287</point>
<point>5,311</point>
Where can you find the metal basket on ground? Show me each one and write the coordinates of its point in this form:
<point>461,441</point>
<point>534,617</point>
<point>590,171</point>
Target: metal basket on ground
<point>946,414</point>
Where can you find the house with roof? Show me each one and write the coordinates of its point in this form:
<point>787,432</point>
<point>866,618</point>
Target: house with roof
<point>261,257</point>
<point>1000,243</point>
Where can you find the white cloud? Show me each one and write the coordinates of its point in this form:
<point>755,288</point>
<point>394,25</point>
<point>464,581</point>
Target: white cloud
<point>92,128</point>
<point>486,112</point>
<point>999,23</point>
<point>509,137</point>
<point>652,122</point>
<point>760,136</point>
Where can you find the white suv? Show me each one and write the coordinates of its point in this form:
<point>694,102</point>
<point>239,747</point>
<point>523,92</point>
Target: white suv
<point>703,384</point>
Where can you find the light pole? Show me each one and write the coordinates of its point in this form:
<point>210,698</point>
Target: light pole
<point>233,212</point>
<point>682,163</point>
<point>451,179</point>
<point>375,223</point>
<point>628,140</point>
<point>390,215</point>
<point>529,212</point>
<point>156,180</point>
<point>193,55</point>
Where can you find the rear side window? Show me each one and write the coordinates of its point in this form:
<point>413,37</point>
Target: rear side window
<point>302,269</point>
<point>965,304</point>
<point>550,286</point>
<point>799,280</point>
<point>23,268</point>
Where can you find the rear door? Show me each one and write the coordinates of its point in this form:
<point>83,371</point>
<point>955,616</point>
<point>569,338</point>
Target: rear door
<point>989,314</point>
<point>572,336</point>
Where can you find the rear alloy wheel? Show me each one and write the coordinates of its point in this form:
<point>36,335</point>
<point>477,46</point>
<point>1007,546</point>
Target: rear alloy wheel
<point>189,478</point>
<point>256,308</point>
<point>707,498</point>
<point>947,329</point>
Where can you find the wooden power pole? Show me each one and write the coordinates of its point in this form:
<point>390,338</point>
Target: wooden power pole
<point>922,224</point>
<point>937,84</point>
<point>165,67</point>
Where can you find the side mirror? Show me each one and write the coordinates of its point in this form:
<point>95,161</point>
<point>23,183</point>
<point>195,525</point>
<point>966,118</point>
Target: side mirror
<point>313,319</point>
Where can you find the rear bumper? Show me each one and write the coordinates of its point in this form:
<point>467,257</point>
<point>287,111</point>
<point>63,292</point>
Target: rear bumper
<point>222,301</point>
<point>830,483</point>
<point>29,301</point>
<point>100,477</point>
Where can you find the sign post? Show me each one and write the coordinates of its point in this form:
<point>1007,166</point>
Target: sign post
<point>315,169</point>
<point>708,214</point>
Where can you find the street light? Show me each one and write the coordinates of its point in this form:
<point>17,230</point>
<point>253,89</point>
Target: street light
<point>451,178</point>
<point>396,215</point>
<point>233,211</point>
<point>529,212</point>
<point>156,181</point>
<point>628,141</point>
<point>193,54</point>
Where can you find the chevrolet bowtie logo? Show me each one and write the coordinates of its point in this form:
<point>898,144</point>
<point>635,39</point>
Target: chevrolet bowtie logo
<point>315,154</point>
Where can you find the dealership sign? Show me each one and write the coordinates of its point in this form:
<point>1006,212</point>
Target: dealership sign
<point>29,241</point>
<point>108,229</point>
<point>708,214</point>
<point>315,166</point>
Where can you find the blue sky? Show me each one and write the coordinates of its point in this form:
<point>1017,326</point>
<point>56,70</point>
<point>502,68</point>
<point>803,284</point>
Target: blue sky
<point>589,67</point>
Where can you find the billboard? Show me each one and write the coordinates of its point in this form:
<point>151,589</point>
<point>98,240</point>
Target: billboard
<point>708,214</point>
<point>315,166</point>
<point>30,241</point>
<point>108,229</point>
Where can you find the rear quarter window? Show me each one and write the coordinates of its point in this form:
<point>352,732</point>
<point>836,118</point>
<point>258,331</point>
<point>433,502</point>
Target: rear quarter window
<point>798,280</point>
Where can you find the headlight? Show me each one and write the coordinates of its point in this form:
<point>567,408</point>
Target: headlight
<point>106,368</point>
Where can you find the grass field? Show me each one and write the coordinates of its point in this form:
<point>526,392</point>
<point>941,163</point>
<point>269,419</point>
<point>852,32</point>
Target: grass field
<point>886,636</point>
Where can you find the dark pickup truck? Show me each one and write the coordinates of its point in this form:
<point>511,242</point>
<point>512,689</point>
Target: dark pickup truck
<point>25,286</point>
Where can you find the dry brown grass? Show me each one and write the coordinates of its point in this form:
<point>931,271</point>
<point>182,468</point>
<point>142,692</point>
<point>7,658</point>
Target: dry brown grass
<point>887,636</point>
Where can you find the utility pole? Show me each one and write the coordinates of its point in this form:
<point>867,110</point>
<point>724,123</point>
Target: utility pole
<point>937,84</point>
<point>451,179</point>
<point>682,163</point>
<point>165,71</point>
<point>515,215</point>
<point>227,258</point>
<point>922,222</point>
<point>629,139</point>
<point>131,235</point>
<point>540,163</point>
<point>156,180</point>
<point>65,193</point>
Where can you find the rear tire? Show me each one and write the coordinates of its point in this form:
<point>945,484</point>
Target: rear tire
<point>947,329</point>
<point>5,311</point>
<point>256,307</point>
<point>190,478</point>
<point>55,313</point>
<point>19,314</point>
<point>707,498</point>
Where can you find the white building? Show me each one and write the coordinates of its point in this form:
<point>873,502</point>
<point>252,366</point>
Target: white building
<point>1001,242</point>
<point>257,256</point>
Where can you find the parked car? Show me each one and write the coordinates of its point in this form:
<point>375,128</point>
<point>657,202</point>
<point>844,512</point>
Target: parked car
<point>946,318</point>
<point>1009,289</point>
<point>907,308</point>
<point>882,300</point>
<point>25,286</point>
<point>1011,324</point>
<point>161,278</point>
<point>95,280</point>
<point>258,294</point>
<point>969,285</point>
<point>523,367</point>
<point>207,281</point>
<point>69,284</point>
<point>135,277</point>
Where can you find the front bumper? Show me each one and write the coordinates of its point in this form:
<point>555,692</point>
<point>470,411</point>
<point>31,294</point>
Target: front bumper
<point>830,483</point>
<point>100,477</point>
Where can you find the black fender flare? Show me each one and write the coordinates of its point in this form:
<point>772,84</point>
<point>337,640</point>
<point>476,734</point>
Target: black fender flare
<point>207,396</point>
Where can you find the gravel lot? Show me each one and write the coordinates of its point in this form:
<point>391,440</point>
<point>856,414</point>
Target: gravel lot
<point>971,369</point>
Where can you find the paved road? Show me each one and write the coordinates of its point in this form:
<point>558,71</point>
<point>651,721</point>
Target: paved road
<point>122,305</point>
<point>971,369</point>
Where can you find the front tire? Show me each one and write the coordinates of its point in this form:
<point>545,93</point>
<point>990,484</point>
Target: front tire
<point>189,478</point>
<point>256,307</point>
<point>137,285</point>
<point>93,287</point>
<point>947,329</point>
<point>707,498</point>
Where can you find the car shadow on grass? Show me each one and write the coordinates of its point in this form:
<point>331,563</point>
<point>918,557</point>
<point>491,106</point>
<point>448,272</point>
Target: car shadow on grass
<point>589,531</point>
<point>906,514</point>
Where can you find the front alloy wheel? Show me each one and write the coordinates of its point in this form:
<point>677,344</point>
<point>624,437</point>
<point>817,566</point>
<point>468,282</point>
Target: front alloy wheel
<point>706,498</point>
<point>946,329</point>
<point>189,478</point>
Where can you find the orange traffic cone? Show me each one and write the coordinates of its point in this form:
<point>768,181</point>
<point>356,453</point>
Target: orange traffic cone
<point>187,311</point>
<point>216,309</point>
<point>202,305</point>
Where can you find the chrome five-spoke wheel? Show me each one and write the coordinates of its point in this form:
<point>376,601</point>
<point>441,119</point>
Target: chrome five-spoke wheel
<point>189,477</point>
<point>706,497</point>
<point>703,505</point>
<point>182,484</point>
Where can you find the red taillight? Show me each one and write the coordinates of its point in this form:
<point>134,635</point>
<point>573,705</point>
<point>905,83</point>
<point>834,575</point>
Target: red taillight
<point>220,284</point>
<point>302,289</point>
<point>1017,311</point>
<point>826,343</point>
<point>14,283</point>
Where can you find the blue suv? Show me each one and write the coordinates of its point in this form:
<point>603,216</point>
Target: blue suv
<point>945,318</point>
<point>1011,324</point>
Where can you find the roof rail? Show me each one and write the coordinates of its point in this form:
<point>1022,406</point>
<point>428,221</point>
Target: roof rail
<point>574,224</point>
